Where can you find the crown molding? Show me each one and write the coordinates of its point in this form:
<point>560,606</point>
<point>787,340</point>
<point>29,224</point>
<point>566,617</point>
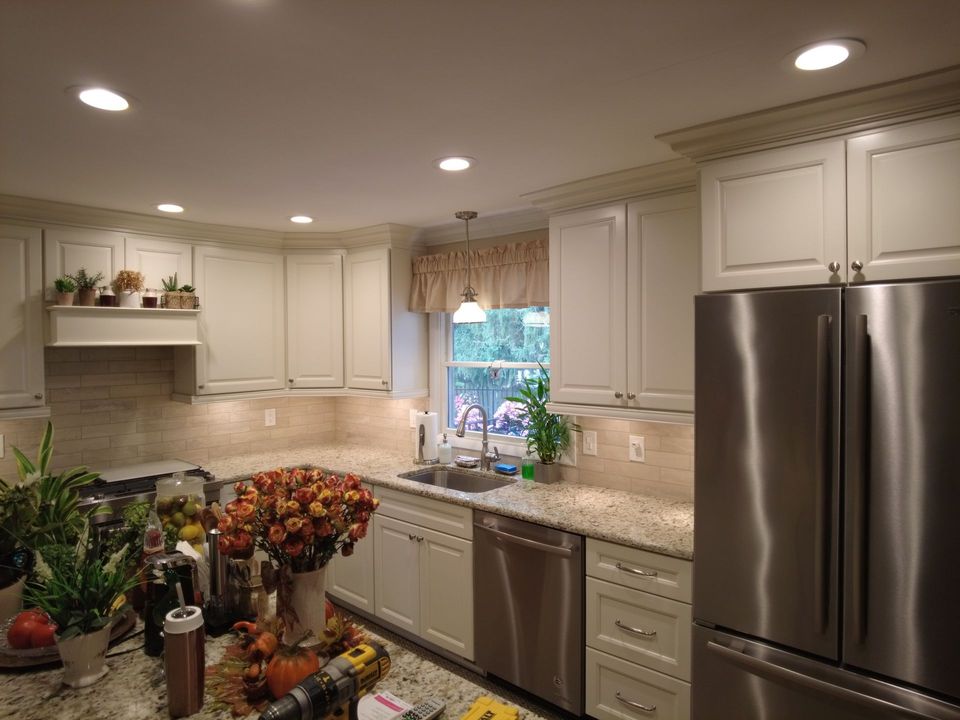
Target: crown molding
<point>668,176</point>
<point>485,226</point>
<point>915,98</point>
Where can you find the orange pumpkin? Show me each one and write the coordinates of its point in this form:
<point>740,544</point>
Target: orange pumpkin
<point>290,665</point>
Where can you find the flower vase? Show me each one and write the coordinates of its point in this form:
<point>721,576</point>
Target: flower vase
<point>84,657</point>
<point>129,299</point>
<point>10,599</point>
<point>307,601</point>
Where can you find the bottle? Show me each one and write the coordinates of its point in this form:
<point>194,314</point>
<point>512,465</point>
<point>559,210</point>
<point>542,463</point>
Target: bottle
<point>526,469</point>
<point>445,451</point>
<point>183,660</point>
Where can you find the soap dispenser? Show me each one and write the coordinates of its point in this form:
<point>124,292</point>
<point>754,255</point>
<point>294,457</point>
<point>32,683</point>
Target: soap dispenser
<point>445,451</point>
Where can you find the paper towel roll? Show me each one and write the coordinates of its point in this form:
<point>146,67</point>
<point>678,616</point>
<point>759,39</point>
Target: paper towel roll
<point>431,426</point>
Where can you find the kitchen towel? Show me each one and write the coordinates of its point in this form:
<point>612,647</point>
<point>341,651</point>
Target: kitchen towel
<point>431,427</point>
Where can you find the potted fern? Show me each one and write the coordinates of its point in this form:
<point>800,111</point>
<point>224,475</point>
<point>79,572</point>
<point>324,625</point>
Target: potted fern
<point>86,286</point>
<point>548,435</point>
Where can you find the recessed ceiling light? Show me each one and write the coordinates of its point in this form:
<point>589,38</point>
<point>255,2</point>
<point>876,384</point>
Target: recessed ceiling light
<point>302,219</point>
<point>455,163</point>
<point>103,99</point>
<point>827,54</point>
<point>170,208</point>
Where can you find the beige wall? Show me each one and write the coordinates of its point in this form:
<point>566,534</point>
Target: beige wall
<point>377,423</point>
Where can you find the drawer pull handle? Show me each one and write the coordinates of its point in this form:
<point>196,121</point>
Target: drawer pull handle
<point>635,631</point>
<point>638,706</point>
<point>635,571</point>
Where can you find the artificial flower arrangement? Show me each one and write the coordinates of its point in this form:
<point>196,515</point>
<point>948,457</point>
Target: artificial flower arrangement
<point>299,517</point>
<point>128,281</point>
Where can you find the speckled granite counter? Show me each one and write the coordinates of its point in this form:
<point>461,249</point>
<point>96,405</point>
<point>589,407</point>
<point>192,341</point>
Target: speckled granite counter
<point>135,688</point>
<point>651,523</point>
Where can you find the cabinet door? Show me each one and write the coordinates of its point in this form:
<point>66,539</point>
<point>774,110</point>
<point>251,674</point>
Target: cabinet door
<point>397,572</point>
<point>241,320</point>
<point>68,250</point>
<point>663,276</point>
<point>903,187</point>
<point>314,321</point>
<point>588,323</point>
<point>21,303</point>
<point>774,218</point>
<point>351,578</point>
<point>366,313</point>
<point>446,591</point>
<point>159,259</point>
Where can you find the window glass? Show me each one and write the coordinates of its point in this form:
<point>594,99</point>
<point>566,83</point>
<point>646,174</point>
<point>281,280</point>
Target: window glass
<point>505,337</point>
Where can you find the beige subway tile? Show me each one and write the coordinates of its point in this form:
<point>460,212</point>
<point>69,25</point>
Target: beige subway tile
<point>92,443</point>
<point>250,436</point>
<point>108,429</point>
<point>669,460</point>
<point>157,457</point>
<point>182,433</point>
<point>153,353</point>
<point>610,424</point>
<point>76,368</point>
<point>126,391</point>
<point>160,376</point>
<point>136,438</point>
<point>228,451</point>
<point>111,454</point>
<point>135,366</point>
<point>632,469</point>
<point>81,393</point>
<point>662,489</point>
<point>677,445</point>
<point>226,428</point>
<point>265,403</point>
<point>204,441</point>
<point>677,477</point>
<point>229,406</point>
<point>135,414</point>
<point>662,429</point>
<point>109,405</point>
<point>109,379</point>
<point>590,463</point>
<point>64,461</point>
<point>612,452</point>
<point>63,381</point>
<point>61,354</point>
<point>179,410</point>
<point>107,353</point>
<point>161,400</point>
<point>162,447</point>
<point>197,457</point>
<point>61,433</point>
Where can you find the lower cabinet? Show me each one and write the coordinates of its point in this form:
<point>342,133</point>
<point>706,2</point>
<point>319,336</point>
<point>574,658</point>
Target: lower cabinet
<point>638,625</point>
<point>350,579</point>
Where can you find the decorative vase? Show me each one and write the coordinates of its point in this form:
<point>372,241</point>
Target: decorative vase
<point>84,657</point>
<point>129,299</point>
<point>65,298</point>
<point>87,296</point>
<point>546,472</point>
<point>10,599</point>
<point>307,601</point>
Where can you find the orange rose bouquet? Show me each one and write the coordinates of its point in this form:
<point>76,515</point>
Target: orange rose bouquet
<point>300,517</point>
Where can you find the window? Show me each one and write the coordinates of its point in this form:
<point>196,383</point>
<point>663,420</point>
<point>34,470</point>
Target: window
<point>488,362</point>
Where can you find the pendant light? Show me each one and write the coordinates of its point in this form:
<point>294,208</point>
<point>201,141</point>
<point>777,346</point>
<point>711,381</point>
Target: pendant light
<point>469,311</point>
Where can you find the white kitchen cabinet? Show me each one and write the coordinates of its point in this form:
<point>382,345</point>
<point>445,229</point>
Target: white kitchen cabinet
<point>351,579</point>
<point>159,259</point>
<point>21,329</point>
<point>903,197</point>
<point>241,324</point>
<point>315,321</point>
<point>385,345</point>
<point>622,282</point>
<point>66,250</point>
<point>423,575</point>
<point>774,218</point>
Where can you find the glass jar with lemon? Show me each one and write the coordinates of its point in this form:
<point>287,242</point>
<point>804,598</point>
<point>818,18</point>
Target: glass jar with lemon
<point>179,504</point>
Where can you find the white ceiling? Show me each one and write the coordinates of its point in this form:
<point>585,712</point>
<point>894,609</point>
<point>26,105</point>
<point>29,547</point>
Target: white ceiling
<point>249,111</point>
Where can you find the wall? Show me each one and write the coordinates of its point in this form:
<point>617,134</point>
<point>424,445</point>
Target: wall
<point>377,423</point>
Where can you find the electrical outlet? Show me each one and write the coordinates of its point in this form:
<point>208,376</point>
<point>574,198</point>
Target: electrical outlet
<point>270,417</point>
<point>637,451</point>
<point>413,417</point>
<point>589,442</point>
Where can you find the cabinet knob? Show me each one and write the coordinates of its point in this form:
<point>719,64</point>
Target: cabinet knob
<point>38,396</point>
<point>200,387</point>
<point>383,382</point>
<point>834,267</point>
<point>618,394</point>
<point>631,396</point>
<point>856,266</point>
<point>290,380</point>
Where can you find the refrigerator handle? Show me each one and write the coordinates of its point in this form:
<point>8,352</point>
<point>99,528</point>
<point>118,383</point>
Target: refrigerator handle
<point>785,675</point>
<point>824,466</point>
<point>857,476</point>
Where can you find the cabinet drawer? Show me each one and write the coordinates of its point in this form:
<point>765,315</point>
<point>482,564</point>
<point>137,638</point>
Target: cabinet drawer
<point>647,571</point>
<point>612,684</point>
<point>437,515</point>
<point>639,627</point>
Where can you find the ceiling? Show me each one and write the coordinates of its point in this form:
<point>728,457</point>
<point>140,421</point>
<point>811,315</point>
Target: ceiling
<point>249,111</point>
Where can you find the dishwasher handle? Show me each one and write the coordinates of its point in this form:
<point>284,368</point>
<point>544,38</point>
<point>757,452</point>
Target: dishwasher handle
<point>561,550</point>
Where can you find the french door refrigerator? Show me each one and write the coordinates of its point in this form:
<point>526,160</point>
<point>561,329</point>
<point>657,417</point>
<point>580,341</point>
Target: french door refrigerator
<point>827,534</point>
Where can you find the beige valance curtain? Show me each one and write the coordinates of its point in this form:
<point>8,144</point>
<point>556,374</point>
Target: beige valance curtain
<point>505,276</point>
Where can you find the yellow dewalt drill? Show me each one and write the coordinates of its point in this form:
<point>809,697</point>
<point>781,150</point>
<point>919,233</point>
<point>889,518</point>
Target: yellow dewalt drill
<point>335,690</point>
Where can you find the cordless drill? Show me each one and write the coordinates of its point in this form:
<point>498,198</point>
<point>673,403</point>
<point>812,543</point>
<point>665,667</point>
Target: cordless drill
<point>335,689</point>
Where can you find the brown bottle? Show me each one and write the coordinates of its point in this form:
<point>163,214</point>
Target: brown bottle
<point>183,660</point>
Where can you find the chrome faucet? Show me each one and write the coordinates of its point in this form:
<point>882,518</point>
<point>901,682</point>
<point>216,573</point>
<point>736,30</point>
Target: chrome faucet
<point>485,457</point>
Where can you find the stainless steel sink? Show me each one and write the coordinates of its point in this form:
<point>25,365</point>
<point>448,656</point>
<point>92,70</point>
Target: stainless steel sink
<point>456,479</point>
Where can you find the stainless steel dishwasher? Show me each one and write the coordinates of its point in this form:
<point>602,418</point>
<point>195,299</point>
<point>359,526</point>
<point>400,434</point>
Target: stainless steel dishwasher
<point>528,607</point>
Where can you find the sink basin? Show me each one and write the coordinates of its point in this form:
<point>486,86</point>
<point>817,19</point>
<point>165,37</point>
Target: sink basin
<point>456,480</point>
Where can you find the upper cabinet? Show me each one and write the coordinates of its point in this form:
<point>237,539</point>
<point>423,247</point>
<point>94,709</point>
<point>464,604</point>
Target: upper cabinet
<point>159,259</point>
<point>385,345</point>
<point>66,250</point>
<point>622,283</point>
<point>21,332</point>
<point>315,321</point>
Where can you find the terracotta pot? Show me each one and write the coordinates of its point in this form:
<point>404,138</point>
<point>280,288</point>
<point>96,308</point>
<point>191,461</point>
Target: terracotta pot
<point>87,296</point>
<point>84,657</point>
<point>128,299</point>
<point>65,298</point>
<point>309,601</point>
<point>11,598</point>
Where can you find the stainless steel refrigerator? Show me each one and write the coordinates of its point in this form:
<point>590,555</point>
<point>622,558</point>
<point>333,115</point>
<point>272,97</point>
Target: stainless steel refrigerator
<point>827,535</point>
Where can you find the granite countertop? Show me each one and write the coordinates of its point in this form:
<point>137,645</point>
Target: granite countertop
<point>651,523</point>
<point>135,688</point>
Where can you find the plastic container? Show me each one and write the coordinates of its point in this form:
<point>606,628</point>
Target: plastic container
<point>179,502</point>
<point>445,451</point>
<point>527,469</point>
<point>183,660</point>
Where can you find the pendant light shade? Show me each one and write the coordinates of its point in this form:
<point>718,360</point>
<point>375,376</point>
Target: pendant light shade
<point>469,311</point>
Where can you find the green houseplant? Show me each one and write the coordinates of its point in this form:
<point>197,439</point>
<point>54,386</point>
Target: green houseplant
<point>86,285</point>
<point>548,435</point>
<point>65,287</point>
<point>171,293</point>
<point>188,297</point>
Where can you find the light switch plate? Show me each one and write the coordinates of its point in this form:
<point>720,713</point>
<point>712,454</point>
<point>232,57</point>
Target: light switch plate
<point>637,450</point>
<point>589,442</point>
<point>270,417</point>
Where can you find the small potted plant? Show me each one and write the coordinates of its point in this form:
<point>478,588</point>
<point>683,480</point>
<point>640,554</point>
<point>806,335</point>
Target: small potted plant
<point>548,435</point>
<point>128,285</point>
<point>66,288</point>
<point>188,297</point>
<point>86,286</point>
<point>171,293</point>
